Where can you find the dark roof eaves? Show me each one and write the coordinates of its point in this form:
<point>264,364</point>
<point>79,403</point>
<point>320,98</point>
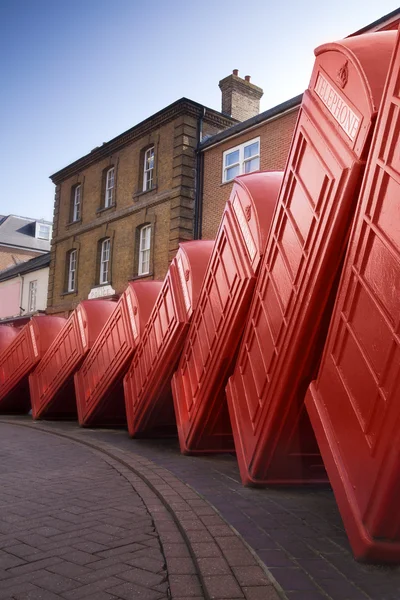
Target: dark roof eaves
<point>394,13</point>
<point>21,247</point>
<point>242,126</point>
<point>34,264</point>
<point>165,114</point>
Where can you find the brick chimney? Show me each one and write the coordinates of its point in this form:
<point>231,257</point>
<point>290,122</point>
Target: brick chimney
<point>240,98</point>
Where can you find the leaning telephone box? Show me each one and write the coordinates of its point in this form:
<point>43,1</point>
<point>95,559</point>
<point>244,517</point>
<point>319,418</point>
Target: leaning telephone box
<point>21,357</point>
<point>98,383</point>
<point>289,317</point>
<point>7,335</point>
<point>147,385</point>
<point>207,359</point>
<point>354,404</point>
<point>51,383</point>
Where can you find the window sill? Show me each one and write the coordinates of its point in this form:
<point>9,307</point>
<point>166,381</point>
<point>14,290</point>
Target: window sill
<point>146,276</point>
<point>143,192</point>
<point>70,223</point>
<point>98,285</point>
<point>74,292</point>
<point>99,211</point>
<point>226,182</point>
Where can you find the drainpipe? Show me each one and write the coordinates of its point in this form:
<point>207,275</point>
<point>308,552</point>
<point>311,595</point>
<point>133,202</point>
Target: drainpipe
<point>198,181</point>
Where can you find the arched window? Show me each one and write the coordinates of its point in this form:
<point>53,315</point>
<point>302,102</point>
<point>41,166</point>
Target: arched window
<point>105,255</point>
<point>144,250</point>
<point>109,187</point>
<point>71,272</point>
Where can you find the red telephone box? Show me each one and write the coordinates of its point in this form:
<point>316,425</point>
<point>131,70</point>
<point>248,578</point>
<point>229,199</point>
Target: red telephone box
<point>7,335</point>
<point>98,383</point>
<point>354,404</point>
<point>208,356</point>
<point>51,383</point>
<point>147,385</point>
<point>21,357</point>
<point>290,314</point>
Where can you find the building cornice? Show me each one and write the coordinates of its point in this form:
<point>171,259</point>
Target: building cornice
<point>184,106</point>
<point>24,248</point>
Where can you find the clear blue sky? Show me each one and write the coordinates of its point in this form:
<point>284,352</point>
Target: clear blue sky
<point>76,73</point>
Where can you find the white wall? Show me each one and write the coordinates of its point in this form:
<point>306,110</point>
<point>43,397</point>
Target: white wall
<point>42,278</point>
<point>10,294</point>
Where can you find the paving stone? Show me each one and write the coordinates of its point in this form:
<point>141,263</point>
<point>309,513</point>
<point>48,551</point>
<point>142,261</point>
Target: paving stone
<point>130,591</point>
<point>292,579</point>
<point>308,595</point>
<point>223,586</point>
<point>15,590</point>
<point>178,550</point>
<point>264,593</point>
<point>275,558</point>
<point>74,543</point>
<point>213,566</point>
<point>206,549</point>
<point>181,566</point>
<point>142,577</point>
<point>101,584</point>
<point>184,586</point>
<point>250,576</point>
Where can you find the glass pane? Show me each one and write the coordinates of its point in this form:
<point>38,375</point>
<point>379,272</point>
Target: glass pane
<point>231,158</point>
<point>252,165</point>
<point>147,236</point>
<point>110,179</point>
<point>251,150</point>
<point>232,172</point>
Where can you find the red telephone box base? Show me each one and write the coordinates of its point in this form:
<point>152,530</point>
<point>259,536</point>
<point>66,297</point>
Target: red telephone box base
<point>365,548</point>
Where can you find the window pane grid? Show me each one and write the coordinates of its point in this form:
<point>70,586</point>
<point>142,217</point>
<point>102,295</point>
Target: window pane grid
<point>144,250</point>
<point>32,296</point>
<point>72,271</point>
<point>148,169</point>
<point>104,261</point>
<point>242,159</point>
<point>77,204</point>
<point>43,232</point>
<point>109,188</point>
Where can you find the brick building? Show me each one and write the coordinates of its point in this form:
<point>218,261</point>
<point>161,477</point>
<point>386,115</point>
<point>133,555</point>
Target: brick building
<point>22,238</point>
<point>121,210</point>
<point>261,142</point>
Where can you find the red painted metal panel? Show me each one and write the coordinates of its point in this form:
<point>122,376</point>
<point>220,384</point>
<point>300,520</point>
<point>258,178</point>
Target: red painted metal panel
<point>354,404</point>
<point>21,357</point>
<point>98,383</point>
<point>51,383</point>
<point>208,356</point>
<point>292,304</point>
<point>147,385</point>
<point>7,335</point>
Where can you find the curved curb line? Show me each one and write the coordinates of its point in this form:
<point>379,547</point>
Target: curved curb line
<point>189,513</point>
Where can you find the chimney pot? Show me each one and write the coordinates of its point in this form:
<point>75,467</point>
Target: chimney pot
<point>247,78</point>
<point>235,72</point>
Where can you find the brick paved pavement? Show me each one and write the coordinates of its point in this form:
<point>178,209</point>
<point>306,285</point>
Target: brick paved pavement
<point>81,523</point>
<point>71,526</point>
<point>297,532</point>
